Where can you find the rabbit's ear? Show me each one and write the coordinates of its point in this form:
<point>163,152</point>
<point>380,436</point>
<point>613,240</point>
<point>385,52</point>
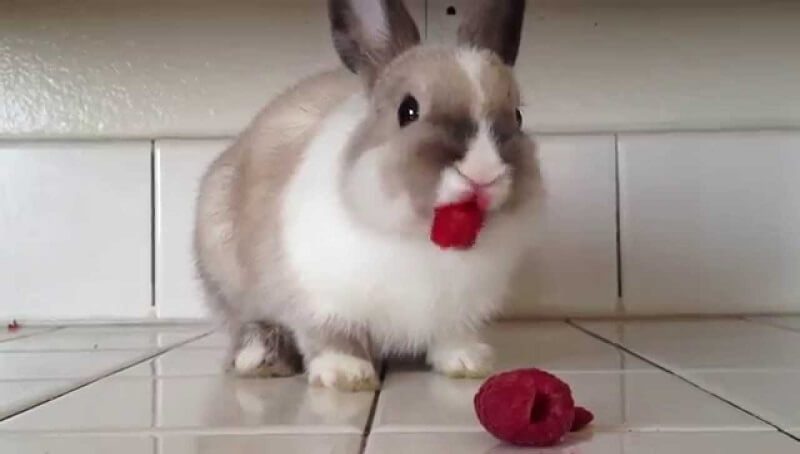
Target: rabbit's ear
<point>495,25</point>
<point>368,34</point>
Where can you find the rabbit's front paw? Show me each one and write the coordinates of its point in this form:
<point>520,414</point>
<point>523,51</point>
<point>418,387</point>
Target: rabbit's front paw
<point>469,360</point>
<point>343,372</point>
<point>267,355</point>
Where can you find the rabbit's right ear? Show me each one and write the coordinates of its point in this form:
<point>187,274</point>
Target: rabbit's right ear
<point>495,25</point>
<point>368,34</point>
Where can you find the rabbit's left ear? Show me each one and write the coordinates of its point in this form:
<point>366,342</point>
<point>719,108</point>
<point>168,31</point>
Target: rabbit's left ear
<point>368,34</point>
<point>495,25</point>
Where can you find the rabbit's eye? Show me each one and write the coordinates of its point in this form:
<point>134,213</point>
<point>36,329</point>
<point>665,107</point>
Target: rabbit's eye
<point>519,119</point>
<point>408,111</point>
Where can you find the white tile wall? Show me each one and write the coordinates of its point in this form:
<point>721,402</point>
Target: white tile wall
<point>175,68</point>
<point>154,68</point>
<point>573,269</point>
<point>710,222</point>
<point>572,272</point>
<point>604,65</point>
<point>75,222</point>
<point>180,165</point>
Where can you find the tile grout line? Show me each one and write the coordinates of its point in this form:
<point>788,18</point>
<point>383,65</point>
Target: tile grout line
<point>154,397</point>
<point>84,383</point>
<point>620,306</point>
<point>373,409</point>
<point>684,379</point>
<point>153,220</point>
<point>544,132</point>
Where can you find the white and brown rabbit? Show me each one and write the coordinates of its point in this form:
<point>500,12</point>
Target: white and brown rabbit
<point>312,229</point>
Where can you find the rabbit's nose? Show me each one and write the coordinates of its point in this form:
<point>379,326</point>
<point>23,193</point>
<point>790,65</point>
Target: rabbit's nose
<point>482,181</point>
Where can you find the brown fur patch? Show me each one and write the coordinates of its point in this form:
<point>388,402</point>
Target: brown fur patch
<point>240,194</point>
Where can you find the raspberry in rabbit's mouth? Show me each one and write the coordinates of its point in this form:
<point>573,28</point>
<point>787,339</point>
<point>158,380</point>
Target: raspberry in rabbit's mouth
<point>456,226</point>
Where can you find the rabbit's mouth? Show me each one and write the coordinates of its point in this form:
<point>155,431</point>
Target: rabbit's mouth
<point>457,225</point>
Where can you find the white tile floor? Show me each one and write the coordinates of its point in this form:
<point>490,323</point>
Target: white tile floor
<point>689,386</point>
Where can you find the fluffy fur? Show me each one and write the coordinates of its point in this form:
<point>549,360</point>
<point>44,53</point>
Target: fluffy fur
<point>313,227</point>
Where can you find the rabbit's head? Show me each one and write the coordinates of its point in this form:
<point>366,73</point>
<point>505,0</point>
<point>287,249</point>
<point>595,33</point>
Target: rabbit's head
<point>443,123</point>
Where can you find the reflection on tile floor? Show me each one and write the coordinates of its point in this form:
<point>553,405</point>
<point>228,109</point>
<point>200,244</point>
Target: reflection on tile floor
<point>20,333</point>
<point>182,444</point>
<point>787,322</point>
<point>104,338</point>
<point>597,443</point>
<point>420,402</point>
<point>724,385</point>
<point>706,344</point>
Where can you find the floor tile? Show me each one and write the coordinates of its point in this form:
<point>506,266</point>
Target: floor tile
<point>604,443</point>
<point>634,400</point>
<point>200,403</point>
<point>182,362</point>
<point>259,444</point>
<point>18,394</point>
<point>217,339</point>
<point>8,334</point>
<point>180,444</point>
<point>59,365</point>
<point>104,338</point>
<point>39,444</point>
<point>553,346</point>
<point>96,407</point>
<point>786,321</point>
<point>773,395</point>
<point>705,344</point>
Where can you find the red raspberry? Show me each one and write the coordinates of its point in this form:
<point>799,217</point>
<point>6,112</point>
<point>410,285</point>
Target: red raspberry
<point>527,407</point>
<point>582,419</point>
<point>457,225</point>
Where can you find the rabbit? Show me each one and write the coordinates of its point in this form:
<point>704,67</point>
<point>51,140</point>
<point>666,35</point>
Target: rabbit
<point>312,229</point>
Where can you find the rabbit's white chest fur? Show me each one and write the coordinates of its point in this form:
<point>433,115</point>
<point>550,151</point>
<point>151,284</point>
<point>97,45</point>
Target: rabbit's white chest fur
<point>402,291</point>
